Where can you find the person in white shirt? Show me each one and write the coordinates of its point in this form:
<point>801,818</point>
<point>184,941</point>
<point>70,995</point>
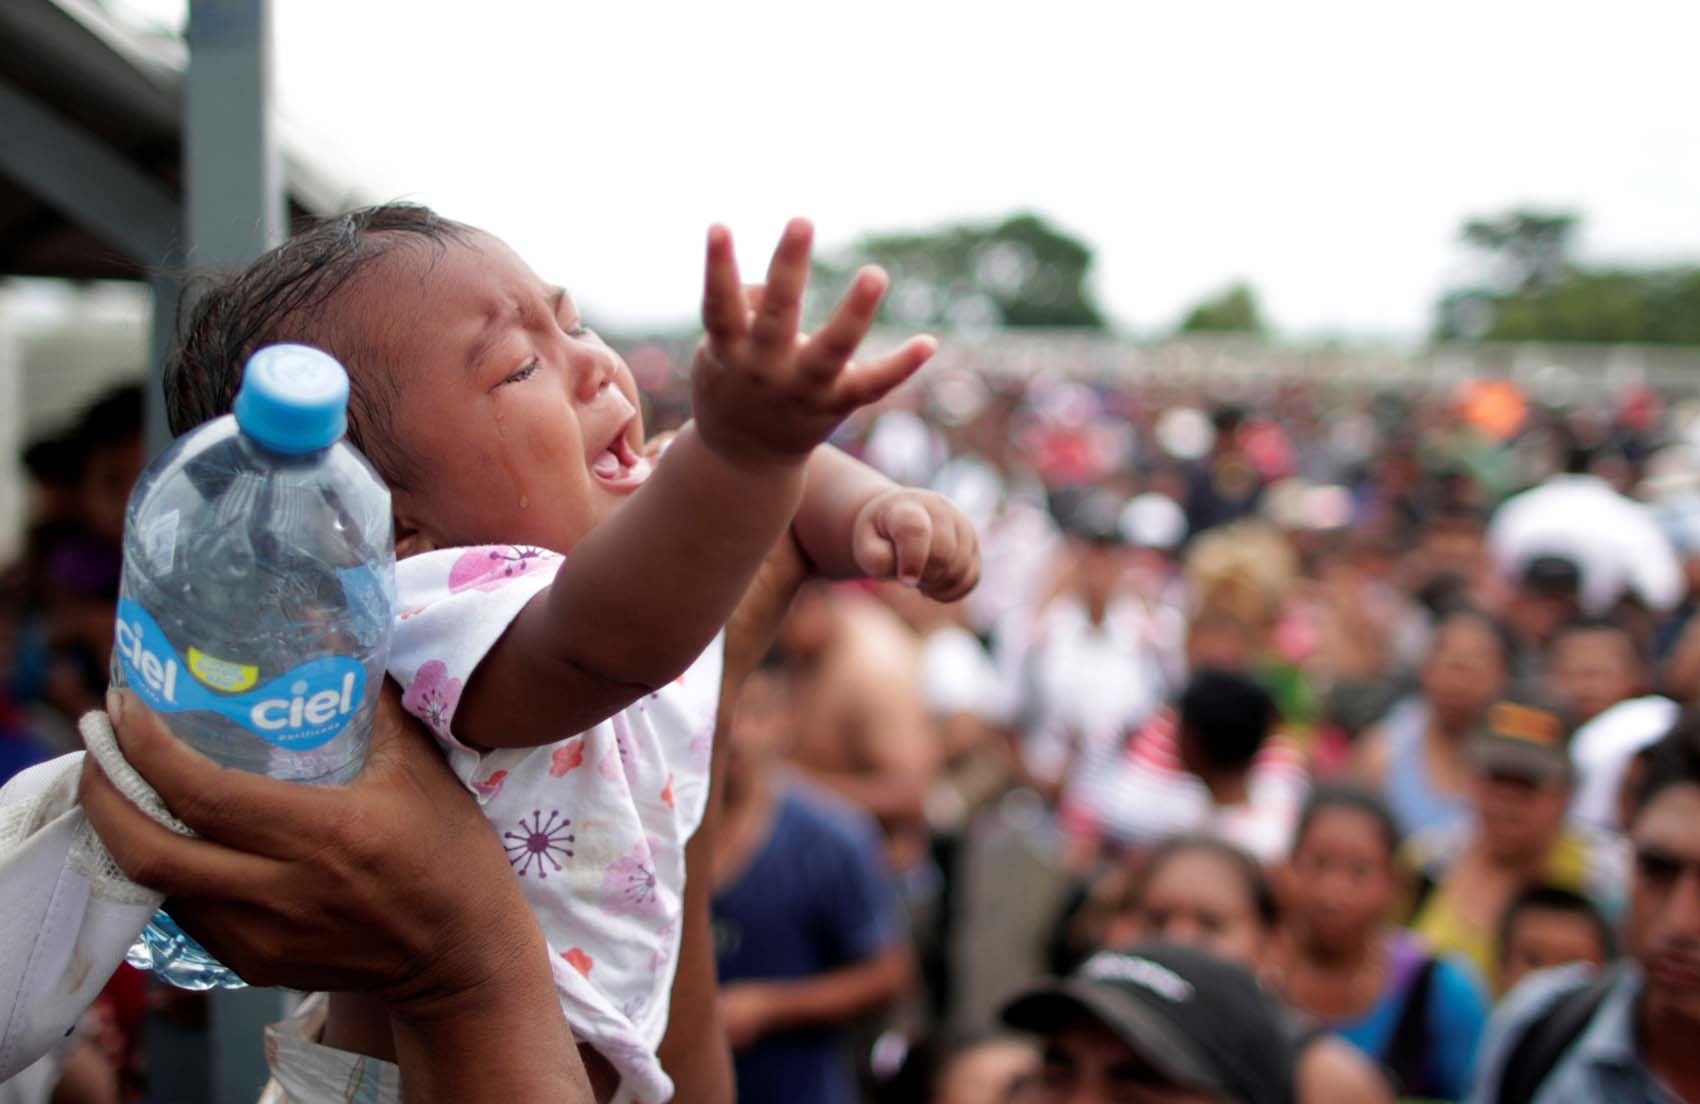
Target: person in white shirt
<point>1598,676</point>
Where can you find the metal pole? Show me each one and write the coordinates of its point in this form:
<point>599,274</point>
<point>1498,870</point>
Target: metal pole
<point>234,211</point>
<point>233,174</point>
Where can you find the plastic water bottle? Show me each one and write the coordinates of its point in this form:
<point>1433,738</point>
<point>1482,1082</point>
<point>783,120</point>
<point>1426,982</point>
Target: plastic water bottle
<point>257,596</point>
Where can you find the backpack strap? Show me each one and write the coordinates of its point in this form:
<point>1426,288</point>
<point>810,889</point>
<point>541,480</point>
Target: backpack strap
<point>1546,1039</point>
<point>1408,1050</point>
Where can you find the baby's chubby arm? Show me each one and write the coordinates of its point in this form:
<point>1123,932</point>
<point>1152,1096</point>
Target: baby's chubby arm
<point>644,592</point>
<point>854,523</point>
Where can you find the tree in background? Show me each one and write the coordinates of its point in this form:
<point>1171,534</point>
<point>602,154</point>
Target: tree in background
<point>1529,250</point>
<point>1535,290</point>
<point>1021,271</point>
<point>1233,310</point>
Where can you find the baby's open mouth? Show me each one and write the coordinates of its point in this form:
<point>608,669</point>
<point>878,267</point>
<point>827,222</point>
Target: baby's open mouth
<point>619,467</point>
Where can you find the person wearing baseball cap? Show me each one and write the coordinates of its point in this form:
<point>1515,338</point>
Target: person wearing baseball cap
<point>1520,789</point>
<point>1156,1024</point>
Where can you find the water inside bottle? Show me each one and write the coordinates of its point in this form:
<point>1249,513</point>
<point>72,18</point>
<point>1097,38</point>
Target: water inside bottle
<point>174,956</point>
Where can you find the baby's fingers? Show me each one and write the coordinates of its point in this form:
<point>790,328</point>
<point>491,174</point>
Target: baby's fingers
<point>724,317</point>
<point>868,383</point>
<point>910,529</point>
<point>897,544</point>
<point>781,309</point>
<point>831,348</point>
<point>956,555</point>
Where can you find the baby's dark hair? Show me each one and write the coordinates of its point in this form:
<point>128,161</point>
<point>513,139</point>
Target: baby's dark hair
<point>1227,716</point>
<point>1353,799</point>
<point>290,294</point>
<point>1251,874</point>
<point>1547,898</point>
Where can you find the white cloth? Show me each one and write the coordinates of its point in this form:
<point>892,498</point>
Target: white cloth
<point>1616,542</point>
<point>1018,552</point>
<point>1085,684</point>
<point>958,676</point>
<point>34,1084</point>
<point>1141,794</point>
<point>67,912</point>
<point>903,446</point>
<point>595,824</point>
<point>305,1071</point>
<point>1602,748</point>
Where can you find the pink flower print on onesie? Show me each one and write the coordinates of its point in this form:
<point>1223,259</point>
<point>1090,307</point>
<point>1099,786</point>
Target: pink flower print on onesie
<point>629,884</point>
<point>566,758</point>
<point>432,696</point>
<point>489,567</point>
<point>578,960</point>
<point>618,763</point>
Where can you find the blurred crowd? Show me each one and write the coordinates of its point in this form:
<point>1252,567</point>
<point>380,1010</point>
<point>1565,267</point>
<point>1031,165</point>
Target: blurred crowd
<point>1335,705</point>
<point>1353,689</point>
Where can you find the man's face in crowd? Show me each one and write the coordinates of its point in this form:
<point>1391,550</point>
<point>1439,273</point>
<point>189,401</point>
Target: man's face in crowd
<point>762,725</point>
<point>1519,818</point>
<point>1084,1063</point>
<point>1454,545</point>
<point>1543,938</point>
<point>1663,929</point>
<point>1102,565</point>
<point>1593,670</point>
<point>1536,615</point>
<point>109,476</point>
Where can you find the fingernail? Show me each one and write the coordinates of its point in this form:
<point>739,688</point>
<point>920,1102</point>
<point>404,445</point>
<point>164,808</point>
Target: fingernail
<point>910,580</point>
<point>115,705</point>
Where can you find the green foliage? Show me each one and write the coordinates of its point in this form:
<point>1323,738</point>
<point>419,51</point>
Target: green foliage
<point>1018,272</point>
<point>1531,249</point>
<point>1537,292</point>
<point>1232,310</point>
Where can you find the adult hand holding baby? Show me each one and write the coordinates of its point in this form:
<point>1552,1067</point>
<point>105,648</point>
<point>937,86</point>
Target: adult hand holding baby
<point>394,885</point>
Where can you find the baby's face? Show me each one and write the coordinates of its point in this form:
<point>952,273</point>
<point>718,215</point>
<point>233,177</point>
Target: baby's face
<point>524,423</point>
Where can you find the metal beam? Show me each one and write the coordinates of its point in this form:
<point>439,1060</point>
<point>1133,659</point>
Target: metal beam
<point>76,174</point>
<point>233,174</point>
<point>233,191</point>
<point>167,287</point>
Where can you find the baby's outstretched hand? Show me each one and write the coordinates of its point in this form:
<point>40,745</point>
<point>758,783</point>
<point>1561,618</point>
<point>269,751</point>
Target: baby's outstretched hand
<point>759,388</point>
<point>920,539</point>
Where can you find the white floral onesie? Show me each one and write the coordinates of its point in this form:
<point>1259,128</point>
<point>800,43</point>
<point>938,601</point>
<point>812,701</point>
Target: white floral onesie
<point>595,824</point>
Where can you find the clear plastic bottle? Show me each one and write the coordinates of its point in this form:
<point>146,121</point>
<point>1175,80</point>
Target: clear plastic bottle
<point>257,596</point>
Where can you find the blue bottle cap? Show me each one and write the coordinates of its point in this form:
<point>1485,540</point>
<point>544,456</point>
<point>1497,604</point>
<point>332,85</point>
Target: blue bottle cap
<point>294,399</point>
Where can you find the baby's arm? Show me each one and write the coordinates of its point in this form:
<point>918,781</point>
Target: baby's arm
<point>639,597</point>
<point>855,523</point>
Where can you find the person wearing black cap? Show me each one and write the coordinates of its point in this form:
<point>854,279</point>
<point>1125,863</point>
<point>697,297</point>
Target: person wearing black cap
<point>1156,1024</point>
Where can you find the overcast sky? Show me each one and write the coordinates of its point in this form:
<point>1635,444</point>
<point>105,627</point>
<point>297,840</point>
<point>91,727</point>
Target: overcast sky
<point>1325,151</point>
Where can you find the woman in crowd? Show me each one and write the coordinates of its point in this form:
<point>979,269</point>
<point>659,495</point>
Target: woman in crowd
<point>1415,759</point>
<point>1200,891</point>
<point>1418,1016</point>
